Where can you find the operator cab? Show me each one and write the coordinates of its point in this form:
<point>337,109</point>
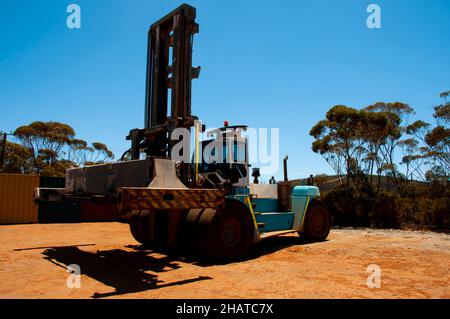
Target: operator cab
<point>225,157</point>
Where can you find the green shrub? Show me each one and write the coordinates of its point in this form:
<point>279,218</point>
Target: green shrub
<point>385,212</point>
<point>348,207</point>
<point>418,205</point>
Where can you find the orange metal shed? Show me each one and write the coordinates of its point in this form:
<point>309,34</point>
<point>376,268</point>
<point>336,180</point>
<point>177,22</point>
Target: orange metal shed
<point>16,199</point>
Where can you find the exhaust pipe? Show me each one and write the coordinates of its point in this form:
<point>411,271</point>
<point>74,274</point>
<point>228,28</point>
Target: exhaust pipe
<point>284,190</point>
<point>285,168</point>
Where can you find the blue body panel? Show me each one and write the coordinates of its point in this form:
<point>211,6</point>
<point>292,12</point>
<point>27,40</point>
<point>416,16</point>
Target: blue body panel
<point>300,198</point>
<point>275,221</point>
<point>265,210</point>
<point>264,205</point>
<point>299,204</point>
<point>305,191</point>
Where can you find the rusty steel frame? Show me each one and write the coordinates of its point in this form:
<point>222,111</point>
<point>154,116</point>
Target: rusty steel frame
<point>142,198</point>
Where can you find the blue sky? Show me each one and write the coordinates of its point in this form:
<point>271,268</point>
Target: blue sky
<point>264,63</point>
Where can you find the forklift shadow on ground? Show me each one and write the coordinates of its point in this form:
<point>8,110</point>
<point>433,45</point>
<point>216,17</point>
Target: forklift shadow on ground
<point>126,271</point>
<point>136,271</point>
<point>276,243</point>
<point>262,248</point>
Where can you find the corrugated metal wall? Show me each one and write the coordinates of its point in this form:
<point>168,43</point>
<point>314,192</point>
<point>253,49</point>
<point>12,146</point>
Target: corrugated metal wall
<point>17,206</point>
<point>57,212</point>
<point>16,199</point>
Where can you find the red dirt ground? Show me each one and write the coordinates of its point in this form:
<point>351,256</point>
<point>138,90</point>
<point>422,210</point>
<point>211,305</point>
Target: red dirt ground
<point>33,261</point>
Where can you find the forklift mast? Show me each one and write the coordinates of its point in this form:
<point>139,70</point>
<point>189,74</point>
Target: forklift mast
<point>169,74</point>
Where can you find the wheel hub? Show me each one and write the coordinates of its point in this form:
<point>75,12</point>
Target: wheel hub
<point>231,232</point>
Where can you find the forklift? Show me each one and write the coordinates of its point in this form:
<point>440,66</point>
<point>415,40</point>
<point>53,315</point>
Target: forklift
<point>205,204</point>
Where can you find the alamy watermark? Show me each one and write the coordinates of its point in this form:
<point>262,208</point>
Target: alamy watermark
<point>374,278</point>
<point>73,21</point>
<point>74,279</point>
<point>374,19</point>
<point>231,145</point>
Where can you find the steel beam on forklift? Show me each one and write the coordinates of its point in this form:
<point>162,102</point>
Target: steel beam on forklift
<point>143,198</point>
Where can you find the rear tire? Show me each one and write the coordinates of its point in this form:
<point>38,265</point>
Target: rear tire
<point>140,228</point>
<point>317,222</point>
<point>222,235</point>
<point>196,229</point>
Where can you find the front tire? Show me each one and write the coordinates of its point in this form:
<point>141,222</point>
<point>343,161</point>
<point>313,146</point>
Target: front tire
<point>317,222</point>
<point>234,231</point>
